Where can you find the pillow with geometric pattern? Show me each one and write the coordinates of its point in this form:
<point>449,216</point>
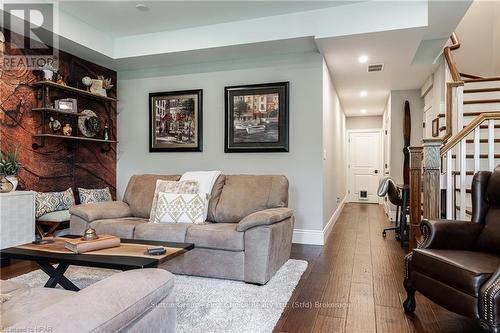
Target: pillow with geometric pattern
<point>181,208</point>
<point>48,202</point>
<point>168,186</point>
<point>88,195</point>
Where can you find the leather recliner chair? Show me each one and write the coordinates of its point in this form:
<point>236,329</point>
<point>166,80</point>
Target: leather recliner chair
<point>457,265</point>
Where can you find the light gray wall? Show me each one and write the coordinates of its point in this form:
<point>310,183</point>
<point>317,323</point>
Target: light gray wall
<point>302,165</point>
<point>368,122</point>
<point>334,138</point>
<point>398,98</point>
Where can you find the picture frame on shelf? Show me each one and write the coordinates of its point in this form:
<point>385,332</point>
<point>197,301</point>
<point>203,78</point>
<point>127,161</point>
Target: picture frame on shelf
<point>435,127</point>
<point>66,104</point>
<point>257,118</point>
<point>176,121</point>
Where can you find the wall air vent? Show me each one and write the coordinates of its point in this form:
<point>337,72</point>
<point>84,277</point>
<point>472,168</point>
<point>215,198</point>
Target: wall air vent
<point>375,67</point>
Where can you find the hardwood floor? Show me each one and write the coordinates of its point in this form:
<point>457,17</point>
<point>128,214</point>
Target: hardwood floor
<point>354,284</point>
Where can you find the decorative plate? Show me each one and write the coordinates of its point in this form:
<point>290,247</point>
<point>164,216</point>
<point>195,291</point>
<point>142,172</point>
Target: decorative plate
<point>89,124</point>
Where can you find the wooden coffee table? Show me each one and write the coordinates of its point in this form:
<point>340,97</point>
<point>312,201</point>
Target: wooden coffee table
<point>46,259</point>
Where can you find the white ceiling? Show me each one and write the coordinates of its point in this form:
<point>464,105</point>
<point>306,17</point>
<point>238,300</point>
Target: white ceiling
<point>409,57</point>
<point>121,18</point>
<point>395,49</point>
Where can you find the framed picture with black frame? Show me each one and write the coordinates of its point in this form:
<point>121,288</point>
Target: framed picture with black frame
<point>257,118</point>
<point>176,121</point>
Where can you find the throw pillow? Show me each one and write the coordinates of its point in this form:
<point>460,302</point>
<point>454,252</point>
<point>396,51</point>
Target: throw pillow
<point>181,208</point>
<point>168,186</point>
<point>94,195</point>
<point>47,202</point>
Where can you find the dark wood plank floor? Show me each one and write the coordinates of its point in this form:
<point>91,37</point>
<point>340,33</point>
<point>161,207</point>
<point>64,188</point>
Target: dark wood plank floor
<point>354,284</point>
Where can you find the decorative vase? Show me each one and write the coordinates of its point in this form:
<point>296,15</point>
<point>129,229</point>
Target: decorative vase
<point>87,82</point>
<point>67,130</point>
<point>5,185</point>
<point>13,180</point>
<point>48,75</point>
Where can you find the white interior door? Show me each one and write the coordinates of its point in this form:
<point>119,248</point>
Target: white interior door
<point>364,166</point>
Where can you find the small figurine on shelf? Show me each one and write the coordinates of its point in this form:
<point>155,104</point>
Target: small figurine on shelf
<point>59,79</point>
<point>54,125</point>
<point>105,132</point>
<point>67,130</point>
<point>48,71</point>
<point>87,82</point>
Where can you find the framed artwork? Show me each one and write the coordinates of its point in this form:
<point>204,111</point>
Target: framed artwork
<point>435,127</point>
<point>176,121</point>
<point>256,118</point>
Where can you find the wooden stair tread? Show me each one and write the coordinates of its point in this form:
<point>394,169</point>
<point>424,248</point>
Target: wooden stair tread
<point>476,113</point>
<point>468,210</point>
<point>480,90</point>
<point>470,76</point>
<point>486,126</point>
<point>457,173</point>
<point>466,191</point>
<point>481,141</point>
<point>470,156</point>
<point>484,79</point>
<point>482,101</point>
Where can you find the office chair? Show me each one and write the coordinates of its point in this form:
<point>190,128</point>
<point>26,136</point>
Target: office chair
<point>399,198</point>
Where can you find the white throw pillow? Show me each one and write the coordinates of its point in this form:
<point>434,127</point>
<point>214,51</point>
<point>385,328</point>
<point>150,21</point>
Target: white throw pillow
<point>181,208</point>
<point>168,186</point>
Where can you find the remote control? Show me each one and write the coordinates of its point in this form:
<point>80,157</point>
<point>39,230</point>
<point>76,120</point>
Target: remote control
<point>156,251</point>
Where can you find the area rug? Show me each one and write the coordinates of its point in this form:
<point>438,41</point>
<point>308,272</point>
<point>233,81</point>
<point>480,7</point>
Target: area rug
<point>210,305</point>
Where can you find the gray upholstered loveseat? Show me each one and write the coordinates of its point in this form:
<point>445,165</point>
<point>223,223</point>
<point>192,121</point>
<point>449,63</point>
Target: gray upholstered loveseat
<point>247,236</point>
<point>131,301</point>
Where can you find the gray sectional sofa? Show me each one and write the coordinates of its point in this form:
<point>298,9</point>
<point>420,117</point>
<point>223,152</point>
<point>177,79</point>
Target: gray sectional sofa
<point>247,236</point>
<point>132,301</point>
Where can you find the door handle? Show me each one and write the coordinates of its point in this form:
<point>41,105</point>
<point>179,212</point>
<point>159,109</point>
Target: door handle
<point>376,171</point>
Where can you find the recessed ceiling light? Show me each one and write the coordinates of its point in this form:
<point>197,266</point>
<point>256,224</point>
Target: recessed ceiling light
<point>363,93</point>
<point>142,7</point>
<point>362,59</point>
<point>363,111</point>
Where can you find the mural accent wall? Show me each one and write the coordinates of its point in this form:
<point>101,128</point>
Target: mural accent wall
<point>59,164</point>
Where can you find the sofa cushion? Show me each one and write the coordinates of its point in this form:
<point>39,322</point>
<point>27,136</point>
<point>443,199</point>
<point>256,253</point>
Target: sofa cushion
<point>464,270</point>
<point>168,232</point>
<point>220,236</point>
<point>140,192</point>
<point>243,195</point>
<point>123,228</point>
<point>215,196</point>
<point>26,301</point>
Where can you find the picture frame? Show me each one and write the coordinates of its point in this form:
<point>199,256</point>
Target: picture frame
<point>257,118</point>
<point>66,104</point>
<point>176,121</point>
<point>435,127</point>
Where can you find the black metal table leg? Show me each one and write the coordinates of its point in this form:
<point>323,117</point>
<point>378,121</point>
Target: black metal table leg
<point>56,276</point>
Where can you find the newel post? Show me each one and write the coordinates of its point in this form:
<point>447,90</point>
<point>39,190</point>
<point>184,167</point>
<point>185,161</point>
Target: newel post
<point>416,156</point>
<point>432,176</point>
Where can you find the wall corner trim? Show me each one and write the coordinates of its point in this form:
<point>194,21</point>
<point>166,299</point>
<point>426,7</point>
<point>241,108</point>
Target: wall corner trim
<point>318,237</point>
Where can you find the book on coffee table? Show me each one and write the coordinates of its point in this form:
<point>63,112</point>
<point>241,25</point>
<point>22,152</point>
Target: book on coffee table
<point>78,245</point>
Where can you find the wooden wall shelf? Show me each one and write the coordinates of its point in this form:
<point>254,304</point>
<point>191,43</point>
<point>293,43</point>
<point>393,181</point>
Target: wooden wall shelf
<point>67,113</point>
<point>70,137</point>
<point>77,91</point>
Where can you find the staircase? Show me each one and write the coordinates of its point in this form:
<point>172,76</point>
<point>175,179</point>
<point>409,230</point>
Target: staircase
<point>470,134</point>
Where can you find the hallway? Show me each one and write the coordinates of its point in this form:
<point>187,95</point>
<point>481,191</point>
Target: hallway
<point>357,280</point>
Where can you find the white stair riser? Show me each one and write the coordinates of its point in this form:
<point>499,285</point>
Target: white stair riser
<point>484,84</point>
<point>484,107</point>
<point>481,96</point>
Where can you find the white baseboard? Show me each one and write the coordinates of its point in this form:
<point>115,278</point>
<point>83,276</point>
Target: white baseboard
<point>317,237</point>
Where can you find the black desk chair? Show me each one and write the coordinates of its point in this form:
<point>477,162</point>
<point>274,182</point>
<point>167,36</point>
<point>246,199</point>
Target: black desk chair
<point>399,198</point>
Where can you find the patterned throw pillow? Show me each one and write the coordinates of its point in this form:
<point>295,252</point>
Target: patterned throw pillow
<point>94,195</point>
<point>168,186</point>
<point>47,202</point>
<point>181,208</point>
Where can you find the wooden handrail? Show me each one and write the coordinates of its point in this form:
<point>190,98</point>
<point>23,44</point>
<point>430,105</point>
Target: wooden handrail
<point>468,129</point>
<point>455,44</point>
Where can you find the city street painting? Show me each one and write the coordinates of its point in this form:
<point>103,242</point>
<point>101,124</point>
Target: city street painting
<point>256,118</point>
<point>175,121</point>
